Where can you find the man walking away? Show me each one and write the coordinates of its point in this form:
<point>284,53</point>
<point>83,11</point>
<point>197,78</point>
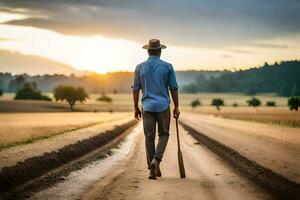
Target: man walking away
<point>155,78</point>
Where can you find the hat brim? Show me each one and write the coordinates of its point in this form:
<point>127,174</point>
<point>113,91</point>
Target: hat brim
<point>160,47</point>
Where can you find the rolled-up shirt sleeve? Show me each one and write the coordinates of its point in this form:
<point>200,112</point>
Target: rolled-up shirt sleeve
<point>172,79</point>
<point>136,85</point>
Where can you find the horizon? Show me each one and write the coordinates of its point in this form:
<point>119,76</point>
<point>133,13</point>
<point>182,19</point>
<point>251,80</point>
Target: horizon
<point>78,73</point>
<point>108,36</point>
<point>90,73</point>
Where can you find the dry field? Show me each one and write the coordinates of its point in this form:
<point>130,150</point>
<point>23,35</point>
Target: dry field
<point>20,128</point>
<point>277,115</point>
<point>286,119</point>
<point>123,102</point>
<point>230,98</point>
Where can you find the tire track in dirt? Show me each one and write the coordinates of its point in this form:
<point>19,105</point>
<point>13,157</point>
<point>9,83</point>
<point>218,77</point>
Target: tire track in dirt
<point>275,184</point>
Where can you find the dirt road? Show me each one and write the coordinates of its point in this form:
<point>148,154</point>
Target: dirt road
<point>274,147</point>
<point>208,177</point>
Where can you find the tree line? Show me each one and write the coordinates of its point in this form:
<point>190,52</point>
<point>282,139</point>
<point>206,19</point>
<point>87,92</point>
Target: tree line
<point>281,78</point>
<point>117,82</point>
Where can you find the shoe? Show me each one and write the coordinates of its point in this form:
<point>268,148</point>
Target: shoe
<point>157,171</point>
<point>152,174</point>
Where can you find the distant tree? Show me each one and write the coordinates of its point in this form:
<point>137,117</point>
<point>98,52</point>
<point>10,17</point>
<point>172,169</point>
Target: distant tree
<point>1,92</point>
<point>216,85</point>
<point>70,94</point>
<point>105,98</point>
<point>271,103</point>
<point>250,91</point>
<point>279,78</point>
<point>266,65</point>
<point>195,103</point>
<point>294,103</point>
<point>17,83</point>
<point>284,90</point>
<point>29,92</point>
<point>235,104</point>
<point>191,88</point>
<point>20,79</point>
<point>217,102</point>
<point>254,102</point>
<point>295,91</point>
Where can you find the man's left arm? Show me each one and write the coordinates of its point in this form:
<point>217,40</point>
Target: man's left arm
<point>173,87</point>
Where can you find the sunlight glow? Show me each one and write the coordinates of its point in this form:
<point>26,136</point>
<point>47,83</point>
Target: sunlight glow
<point>96,53</point>
<point>4,17</point>
<point>103,54</point>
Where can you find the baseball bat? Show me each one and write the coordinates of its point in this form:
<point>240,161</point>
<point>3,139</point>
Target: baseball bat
<point>179,153</point>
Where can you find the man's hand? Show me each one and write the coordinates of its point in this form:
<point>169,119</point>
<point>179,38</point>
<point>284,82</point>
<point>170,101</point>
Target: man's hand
<point>137,113</point>
<point>176,113</point>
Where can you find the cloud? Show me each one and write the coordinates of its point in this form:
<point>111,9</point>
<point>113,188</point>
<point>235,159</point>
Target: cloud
<point>6,39</point>
<point>272,46</point>
<point>242,51</point>
<point>18,63</point>
<point>207,23</point>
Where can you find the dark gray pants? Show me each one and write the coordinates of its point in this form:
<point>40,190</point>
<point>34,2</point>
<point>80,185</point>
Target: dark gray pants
<point>163,124</point>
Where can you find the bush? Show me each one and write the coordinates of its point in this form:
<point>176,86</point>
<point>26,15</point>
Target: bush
<point>29,92</point>
<point>294,103</point>
<point>105,98</point>
<point>195,103</point>
<point>254,102</point>
<point>1,92</point>
<point>271,103</point>
<point>70,94</point>
<point>235,104</point>
<point>217,102</point>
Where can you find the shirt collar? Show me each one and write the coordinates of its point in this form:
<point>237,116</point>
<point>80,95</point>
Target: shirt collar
<point>153,57</point>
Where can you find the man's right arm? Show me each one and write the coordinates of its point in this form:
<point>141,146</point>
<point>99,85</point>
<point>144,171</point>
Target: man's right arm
<point>136,86</point>
<point>137,111</point>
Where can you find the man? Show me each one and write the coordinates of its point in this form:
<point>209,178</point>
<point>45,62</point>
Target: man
<point>155,78</point>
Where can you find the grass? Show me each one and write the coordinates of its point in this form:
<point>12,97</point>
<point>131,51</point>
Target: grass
<point>24,128</point>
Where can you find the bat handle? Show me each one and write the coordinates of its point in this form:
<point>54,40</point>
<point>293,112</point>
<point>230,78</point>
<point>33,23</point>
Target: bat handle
<point>177,133</point>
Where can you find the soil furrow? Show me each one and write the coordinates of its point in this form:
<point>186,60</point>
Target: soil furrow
<point>31,171</point>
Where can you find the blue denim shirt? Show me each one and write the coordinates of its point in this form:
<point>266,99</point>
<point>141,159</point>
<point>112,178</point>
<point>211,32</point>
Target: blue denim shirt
<point>155,77</point>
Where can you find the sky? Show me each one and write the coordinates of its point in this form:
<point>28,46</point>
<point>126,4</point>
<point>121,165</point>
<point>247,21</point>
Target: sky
<point>105,36</point>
